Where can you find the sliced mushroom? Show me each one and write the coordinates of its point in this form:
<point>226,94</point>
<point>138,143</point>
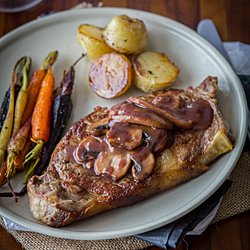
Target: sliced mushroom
<point>178,118</point>
<point>144,162</point>
<point>128,112</point>
<point>88,149</point>
<point>112,164</point>
<point>100,127</point>
<point>124,135</point>
<point>156,139</point>
<point>141,121</point>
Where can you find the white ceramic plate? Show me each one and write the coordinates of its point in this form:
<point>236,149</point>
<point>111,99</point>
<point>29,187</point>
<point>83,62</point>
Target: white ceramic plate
<point>196,59</point>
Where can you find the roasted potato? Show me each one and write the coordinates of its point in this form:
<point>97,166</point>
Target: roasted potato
<point>90,38</point>
<point>110,75</point>
<point>126,35</point>
<point>153,71</point>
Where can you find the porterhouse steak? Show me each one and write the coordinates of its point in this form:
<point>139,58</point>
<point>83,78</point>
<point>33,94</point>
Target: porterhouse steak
<point>83,178</point>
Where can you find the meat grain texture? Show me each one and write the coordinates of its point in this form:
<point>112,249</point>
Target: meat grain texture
<point>66,192</point>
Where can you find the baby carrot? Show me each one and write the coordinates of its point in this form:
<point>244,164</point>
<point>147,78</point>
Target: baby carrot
<point>35,85</point>
<point>42,111</point>
<point>33,91</point>
<point>41,116</point>
<point>17,77</point>
<point>16,146</point>
<point>21,100</point>
<point>8,120</point>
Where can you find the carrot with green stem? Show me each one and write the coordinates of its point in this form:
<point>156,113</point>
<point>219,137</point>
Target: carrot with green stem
<point>35,85</point>
<point>41,117</point>
<point>17,76</point>
<point>17,165</point>
<point>19,136</point>
<point>16,146</point>
<point>6,131</point>
<point>21,99</point>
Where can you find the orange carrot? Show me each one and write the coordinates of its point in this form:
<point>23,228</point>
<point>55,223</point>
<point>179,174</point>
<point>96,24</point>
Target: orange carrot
<point>42,112</point>
<point>33,91</point>
<point>41,117</point>
<point>35,85</point>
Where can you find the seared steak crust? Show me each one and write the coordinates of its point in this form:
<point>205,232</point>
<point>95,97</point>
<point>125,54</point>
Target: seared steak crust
<point>66,192</point>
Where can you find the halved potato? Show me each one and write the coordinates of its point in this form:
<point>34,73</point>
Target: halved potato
<point>110,75</point>
<point>153,71</point>
<point>90,38</point>
<point>126,35</point>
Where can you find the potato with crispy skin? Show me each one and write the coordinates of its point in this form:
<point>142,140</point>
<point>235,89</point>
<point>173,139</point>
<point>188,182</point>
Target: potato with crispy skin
<point>90,38</point>
<point>153,71</point>
<point>126,35</point>
<point>110,75</point>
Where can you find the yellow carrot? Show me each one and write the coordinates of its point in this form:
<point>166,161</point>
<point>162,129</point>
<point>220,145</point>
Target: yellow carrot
<point>21,101</point>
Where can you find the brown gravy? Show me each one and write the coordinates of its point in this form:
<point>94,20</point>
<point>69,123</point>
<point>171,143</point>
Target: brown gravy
<point>128,144</point>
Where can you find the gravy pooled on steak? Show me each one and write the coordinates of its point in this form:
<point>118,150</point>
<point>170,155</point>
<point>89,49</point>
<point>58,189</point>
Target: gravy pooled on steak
<point>135,130</point>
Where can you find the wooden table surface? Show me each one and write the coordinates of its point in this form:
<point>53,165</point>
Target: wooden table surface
<point>232,19</point>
